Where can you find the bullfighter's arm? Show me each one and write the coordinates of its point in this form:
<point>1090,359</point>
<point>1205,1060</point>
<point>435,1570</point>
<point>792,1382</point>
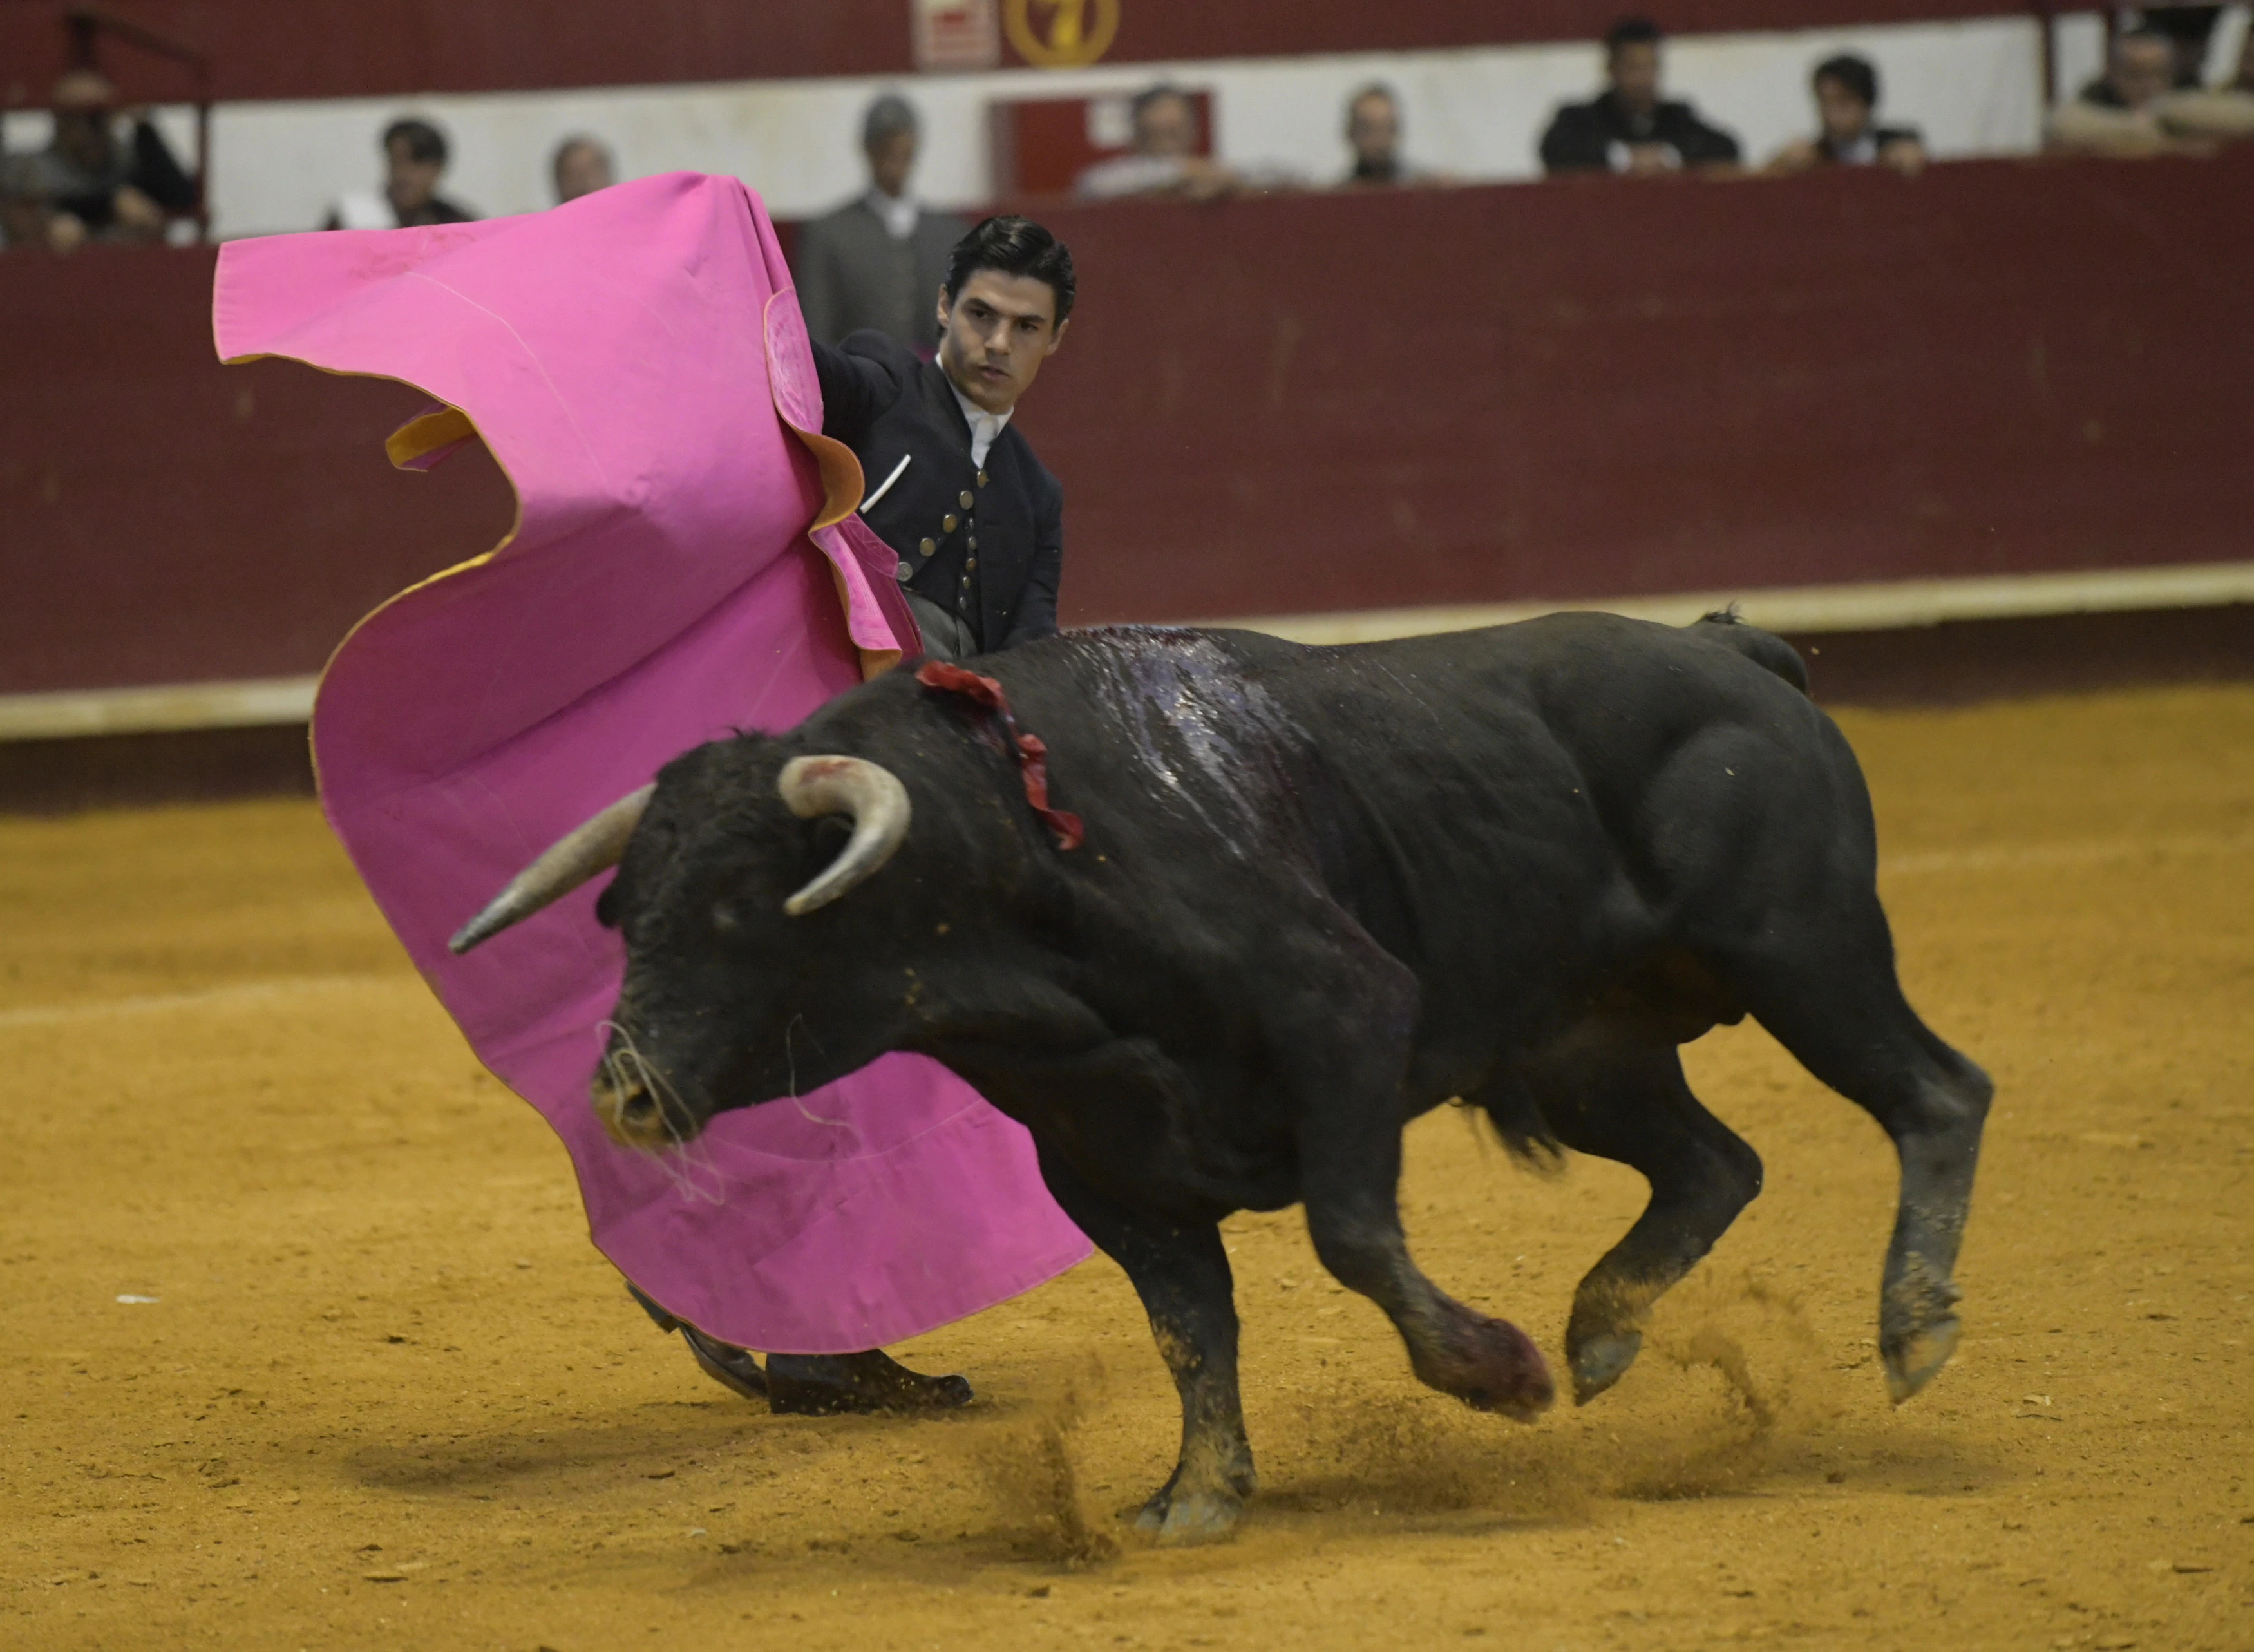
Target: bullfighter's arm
<point>1037,608</point>
<point>855,389</point>
<point>815,270</point>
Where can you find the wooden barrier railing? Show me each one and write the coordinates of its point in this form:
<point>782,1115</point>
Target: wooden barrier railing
<point>1299,405</point>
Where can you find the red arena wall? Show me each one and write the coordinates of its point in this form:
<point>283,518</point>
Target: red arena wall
<point>1588,389</point>
<point>288,49</point>
<point>1302,404</point>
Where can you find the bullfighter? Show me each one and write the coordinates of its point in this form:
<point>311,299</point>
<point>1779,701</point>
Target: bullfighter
<point>689,557</point>
<point>976,524</point>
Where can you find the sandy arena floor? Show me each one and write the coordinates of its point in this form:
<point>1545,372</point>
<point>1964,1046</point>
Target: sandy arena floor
<point>386,1395</point>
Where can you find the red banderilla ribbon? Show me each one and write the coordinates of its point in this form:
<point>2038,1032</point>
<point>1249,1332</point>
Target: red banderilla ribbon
<point>1033,756</point>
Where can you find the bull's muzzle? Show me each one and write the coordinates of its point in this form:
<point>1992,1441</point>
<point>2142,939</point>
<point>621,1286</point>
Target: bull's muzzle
<point>633,1109</point>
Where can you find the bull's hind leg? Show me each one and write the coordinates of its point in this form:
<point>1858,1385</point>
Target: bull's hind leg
<point>1828,994</point>
<point>1612,1094</point>
<point>1181,1273</point>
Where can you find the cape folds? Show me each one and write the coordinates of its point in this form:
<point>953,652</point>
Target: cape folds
<point>685,562</point>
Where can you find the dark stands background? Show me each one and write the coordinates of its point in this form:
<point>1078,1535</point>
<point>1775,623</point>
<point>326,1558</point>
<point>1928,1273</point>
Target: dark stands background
<point>289,48</point>
<point>1359,401</point>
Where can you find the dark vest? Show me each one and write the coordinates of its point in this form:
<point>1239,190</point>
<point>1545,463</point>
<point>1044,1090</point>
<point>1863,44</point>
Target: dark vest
<point>986,545</point>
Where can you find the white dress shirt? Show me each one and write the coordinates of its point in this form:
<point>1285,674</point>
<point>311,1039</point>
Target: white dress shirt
<point>897,213</point>
<point>985,426</point>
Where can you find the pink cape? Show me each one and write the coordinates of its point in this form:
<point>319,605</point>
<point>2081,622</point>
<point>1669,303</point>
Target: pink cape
<point>662,587</point>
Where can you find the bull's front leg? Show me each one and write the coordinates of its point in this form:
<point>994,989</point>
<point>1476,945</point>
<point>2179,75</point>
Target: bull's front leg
<point>1347,1073</point>
<point>1489,1364</point>
<point>1181,1273</point>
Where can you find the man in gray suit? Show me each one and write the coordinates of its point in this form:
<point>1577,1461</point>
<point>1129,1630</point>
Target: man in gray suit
<point>878,260</point>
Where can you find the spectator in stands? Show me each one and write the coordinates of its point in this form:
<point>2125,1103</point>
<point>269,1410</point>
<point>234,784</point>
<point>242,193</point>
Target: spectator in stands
<point>1373,132</point>
<point>1846,110</point>
<point>879,262</point>
<point>87,184</point>
<point>1164,160</point>
<point>1629,129</point>
<point>415,159</point>
<point>581,165</point>
<point>2188,29</point>
<point>2225,112</point>
<point>2129,109</point>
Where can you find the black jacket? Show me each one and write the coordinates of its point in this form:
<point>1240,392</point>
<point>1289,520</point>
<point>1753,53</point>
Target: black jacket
<point>987,546</point>
<point>151,168</point>
<point>1580,138</point>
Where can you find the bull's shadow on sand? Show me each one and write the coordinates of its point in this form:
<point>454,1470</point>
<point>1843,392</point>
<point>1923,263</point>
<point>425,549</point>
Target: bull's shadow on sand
<point>1031,1477</point>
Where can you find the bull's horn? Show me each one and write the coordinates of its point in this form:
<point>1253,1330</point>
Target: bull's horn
<point>871,794</point>
<point>592,848</point>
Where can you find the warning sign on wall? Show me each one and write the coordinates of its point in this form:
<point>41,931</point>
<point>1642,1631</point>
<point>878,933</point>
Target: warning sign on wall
<point>955,34</point>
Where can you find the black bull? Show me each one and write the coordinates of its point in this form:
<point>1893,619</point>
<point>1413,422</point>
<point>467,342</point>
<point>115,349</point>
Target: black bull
<point>1323,890</point>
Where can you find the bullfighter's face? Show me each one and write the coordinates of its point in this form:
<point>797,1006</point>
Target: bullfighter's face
<point>994,334</point>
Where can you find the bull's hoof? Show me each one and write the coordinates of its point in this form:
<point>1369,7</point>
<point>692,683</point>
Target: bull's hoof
<point>1917,1359</point>
<point>1490,1365</point>
<point>1602,1360</point>
<point>1918,1326</point>
<point>1177,1519</point>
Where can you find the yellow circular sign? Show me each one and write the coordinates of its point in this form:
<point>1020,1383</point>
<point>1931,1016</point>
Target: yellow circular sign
<point>1061,34</point>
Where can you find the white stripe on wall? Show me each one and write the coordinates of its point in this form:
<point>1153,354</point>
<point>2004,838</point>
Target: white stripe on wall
<point>1876,606</point>
<point>1475,113</point>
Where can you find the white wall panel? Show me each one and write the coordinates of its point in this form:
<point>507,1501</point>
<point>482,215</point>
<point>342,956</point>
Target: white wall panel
<point>1973,87</point>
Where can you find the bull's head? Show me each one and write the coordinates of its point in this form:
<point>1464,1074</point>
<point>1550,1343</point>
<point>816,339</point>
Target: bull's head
<point>704,1020</point>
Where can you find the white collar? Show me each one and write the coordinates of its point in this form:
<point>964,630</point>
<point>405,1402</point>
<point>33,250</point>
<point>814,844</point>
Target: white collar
<point>897,213</point>
<point>985,428</point>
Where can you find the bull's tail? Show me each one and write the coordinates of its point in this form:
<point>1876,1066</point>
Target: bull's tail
<point>1766,649</point>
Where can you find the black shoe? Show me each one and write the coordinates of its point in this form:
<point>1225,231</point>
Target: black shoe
<point>813,1384</point>
<point>726,1364</point>
<point>827,1384</point>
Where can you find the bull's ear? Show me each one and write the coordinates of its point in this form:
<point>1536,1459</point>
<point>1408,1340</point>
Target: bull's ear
<point>606,906</point>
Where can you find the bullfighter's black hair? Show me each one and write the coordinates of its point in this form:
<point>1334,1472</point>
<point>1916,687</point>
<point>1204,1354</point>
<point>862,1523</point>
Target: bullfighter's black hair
<point>1016,247</point>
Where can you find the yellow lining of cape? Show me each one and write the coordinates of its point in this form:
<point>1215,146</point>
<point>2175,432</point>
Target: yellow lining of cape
<point>843,484</point>
<point>426,433</point>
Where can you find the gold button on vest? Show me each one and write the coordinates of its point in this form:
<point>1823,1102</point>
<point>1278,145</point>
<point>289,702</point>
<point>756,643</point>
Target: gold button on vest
<point>947,523</point>
<point>926,546</point>
<point>968,499</point>
<point>982,478</point>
